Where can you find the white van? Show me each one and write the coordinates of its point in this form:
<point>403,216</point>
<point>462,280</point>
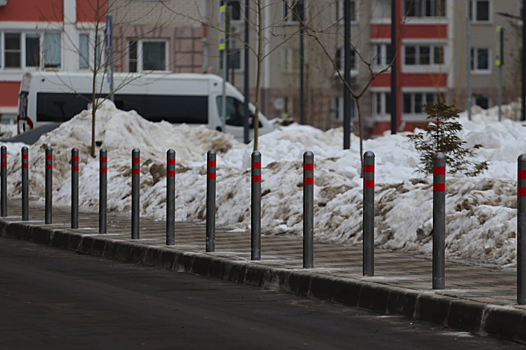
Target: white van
<point>193,99</point>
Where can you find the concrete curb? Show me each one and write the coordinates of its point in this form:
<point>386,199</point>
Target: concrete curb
<point>498,321</point>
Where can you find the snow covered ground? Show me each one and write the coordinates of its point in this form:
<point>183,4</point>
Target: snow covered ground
<point>481,211</point>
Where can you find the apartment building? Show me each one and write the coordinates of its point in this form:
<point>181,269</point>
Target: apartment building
<point>64,35</point>
<point>443,44</point>
<point>39,34</point>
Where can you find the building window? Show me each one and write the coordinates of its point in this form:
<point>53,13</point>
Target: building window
<point>13,50</point>
<point>234,57</point>
<point>340,11</point>
<point>83,51</point>
<point>480,60</point>
<point>147,55</point>
<point>479,11</point>
<point>235,5</point>
<point>292,10</point>
<point>340,60</point>
<point>381,103</point>
<point>413,102</point>
<point>52,50</point>
<point>425,8</point>
<point>32,50</point>
<point>338,109</point>
<point>423,55</point>
<point>481,101</point>
<point>291,60</point>
<point>381,55</point>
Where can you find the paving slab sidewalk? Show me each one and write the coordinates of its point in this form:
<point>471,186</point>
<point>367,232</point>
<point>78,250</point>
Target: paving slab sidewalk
<point>477,299</point>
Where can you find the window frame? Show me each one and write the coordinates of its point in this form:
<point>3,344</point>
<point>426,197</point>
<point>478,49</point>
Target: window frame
<point>139,59</point>
<point>473,12</point>
<point>383,56</point>
<point>337,111</point>
<point>384,104</point>
<point>23,51</point>
<point>421,6</point>
<point>340,61</point>
<point>289,18</point>
<point>241,52</point>
<point>474,64</point>
<point>417,55</point>
<point>413,114</point>
<point>339,12</point>
<point>288,59</point>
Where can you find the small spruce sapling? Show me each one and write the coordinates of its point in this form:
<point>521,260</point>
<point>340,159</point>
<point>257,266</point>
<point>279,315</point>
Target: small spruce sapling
<point>441,135</point>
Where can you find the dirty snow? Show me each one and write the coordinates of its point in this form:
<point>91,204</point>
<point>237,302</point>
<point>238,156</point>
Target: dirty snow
<point>481,211</point>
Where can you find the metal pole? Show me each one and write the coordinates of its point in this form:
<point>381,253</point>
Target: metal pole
<point>302,73</point>
<point>470,62</point>
<point>439,220</point>
<point>523,65</point>
<point>255,227</point>
<point>3,174</point>
<point>170,197</point>
<point>103,190</point>
<point>74,188</point>
<point>347,75</point>
<point>25,184</point>
<point>211,201</point>
<point>223,99</point>
<point>136,182</point>
<point>308,209</point>
<point>500,93</point>
<point>246,77</point>
<point>394,71</point>
<point>49,186</point>
<point>368,214</point>
<point>521,230</point>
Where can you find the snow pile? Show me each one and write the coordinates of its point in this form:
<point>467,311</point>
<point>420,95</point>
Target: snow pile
<point>481,211</point>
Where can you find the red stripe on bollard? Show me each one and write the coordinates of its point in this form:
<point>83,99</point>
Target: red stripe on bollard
<point>103,170</point>
<point>136,171</point>
<point>256,165</point>
<point>308,166</point>
<point>256,178</point>
<point>75,158</point>
<point>439,187</point>
<point>521,192</point>
<point>104,159</point>
<point>49,157</point>
<point>25,156</point>
<point>25,165</point>
<point>211,164</point>
<point>4,155</point>
<point>4,164</point>
<point>368,168</point>
<point>170,173</point>
<point>522,175</point>
<point>308,181</point>
<point>171,161</point>
<point>439,170</point>
<point>211,176</point>
<point>49,166</point>
<point>75,168</point>
<point>368,183</point>
<point>136,160</point>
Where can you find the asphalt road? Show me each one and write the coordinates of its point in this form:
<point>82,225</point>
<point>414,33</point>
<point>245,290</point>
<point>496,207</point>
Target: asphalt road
<point>57,299</point>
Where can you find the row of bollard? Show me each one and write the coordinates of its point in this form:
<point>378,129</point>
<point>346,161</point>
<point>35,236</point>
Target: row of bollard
<point>439,200</point>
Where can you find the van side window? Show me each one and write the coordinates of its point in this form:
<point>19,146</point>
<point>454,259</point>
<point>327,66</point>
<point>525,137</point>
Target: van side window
<point>173,109</point>
<point>59,107</point>
<point>234,110</point>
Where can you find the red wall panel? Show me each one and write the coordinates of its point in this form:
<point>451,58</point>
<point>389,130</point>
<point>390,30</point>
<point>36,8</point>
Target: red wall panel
<point>33,11</point>
<point>416,31</point>
<point>87,10</point>
<point>9,93</point>
<point>413,80</point>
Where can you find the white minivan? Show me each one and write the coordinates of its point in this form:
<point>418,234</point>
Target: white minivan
<point>194,99</point>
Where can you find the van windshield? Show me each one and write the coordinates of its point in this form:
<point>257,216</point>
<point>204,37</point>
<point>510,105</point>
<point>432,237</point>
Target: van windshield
<point>235,112</point>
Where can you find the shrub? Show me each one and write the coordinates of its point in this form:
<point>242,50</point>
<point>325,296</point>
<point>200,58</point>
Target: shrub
<point>441,135</point>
